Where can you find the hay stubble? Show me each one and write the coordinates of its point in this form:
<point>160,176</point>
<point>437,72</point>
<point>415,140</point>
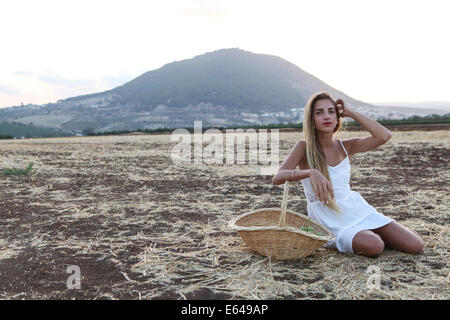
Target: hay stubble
<point>141,227</point>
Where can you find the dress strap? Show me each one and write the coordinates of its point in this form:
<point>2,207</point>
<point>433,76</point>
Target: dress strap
<point>343,147</point>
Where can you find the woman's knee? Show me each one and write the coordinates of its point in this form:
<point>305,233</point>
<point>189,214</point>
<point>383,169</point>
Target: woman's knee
<point>368,243</point>
<point>376,247</point>
<point>401,238</point>
<point>416,245</point>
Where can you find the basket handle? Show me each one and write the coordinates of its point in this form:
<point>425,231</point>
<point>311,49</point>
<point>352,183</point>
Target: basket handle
<point>282,222</point>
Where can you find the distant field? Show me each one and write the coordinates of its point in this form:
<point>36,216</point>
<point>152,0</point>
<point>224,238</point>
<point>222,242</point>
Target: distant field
<point>54,121</point>
<point>140,227</point>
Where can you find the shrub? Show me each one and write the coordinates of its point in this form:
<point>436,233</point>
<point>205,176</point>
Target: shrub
<point>17,171</point>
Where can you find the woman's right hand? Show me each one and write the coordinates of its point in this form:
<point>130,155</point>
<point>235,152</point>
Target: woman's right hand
<point>322,187</point>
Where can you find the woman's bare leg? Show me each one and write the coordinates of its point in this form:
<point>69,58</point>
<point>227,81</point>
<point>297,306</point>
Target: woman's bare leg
<point>398,237</point>
<point>367,243</point>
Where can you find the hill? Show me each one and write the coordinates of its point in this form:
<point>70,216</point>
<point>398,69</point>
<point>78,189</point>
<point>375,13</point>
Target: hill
<point>222,88</point>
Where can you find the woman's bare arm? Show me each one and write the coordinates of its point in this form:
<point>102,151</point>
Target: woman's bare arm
<point>291,175</point>
<point>322,187</point>
<point>287,170</point>
<point>379,134</point>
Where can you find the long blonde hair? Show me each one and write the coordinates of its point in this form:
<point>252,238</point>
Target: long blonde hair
<point>315,156</point>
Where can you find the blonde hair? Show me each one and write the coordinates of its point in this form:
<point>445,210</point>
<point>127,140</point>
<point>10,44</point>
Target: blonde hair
<point>315,156</point>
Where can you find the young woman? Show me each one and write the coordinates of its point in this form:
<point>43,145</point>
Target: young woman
<point>324,170</point>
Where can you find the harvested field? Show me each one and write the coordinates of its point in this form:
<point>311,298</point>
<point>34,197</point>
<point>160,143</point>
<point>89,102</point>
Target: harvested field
<point>141,227</point>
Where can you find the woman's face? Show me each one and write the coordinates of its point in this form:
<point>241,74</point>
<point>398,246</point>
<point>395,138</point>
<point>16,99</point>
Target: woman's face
<point>325,117</point>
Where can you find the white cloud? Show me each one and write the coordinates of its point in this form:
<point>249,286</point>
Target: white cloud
<point>372,50</point>
<point>8,90</point>
<point>29,87</point>
<point>204,8</point>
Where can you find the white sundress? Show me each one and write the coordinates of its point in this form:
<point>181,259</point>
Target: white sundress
<point>356,214</point>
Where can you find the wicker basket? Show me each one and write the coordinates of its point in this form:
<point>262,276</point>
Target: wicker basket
<point>277,233</point>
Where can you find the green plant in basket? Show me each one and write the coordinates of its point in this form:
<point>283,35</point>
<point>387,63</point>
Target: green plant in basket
<point>310,230</point>
<point>307,229</point>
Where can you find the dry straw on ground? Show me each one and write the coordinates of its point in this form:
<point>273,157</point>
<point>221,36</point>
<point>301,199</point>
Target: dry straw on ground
<point>142,227</point>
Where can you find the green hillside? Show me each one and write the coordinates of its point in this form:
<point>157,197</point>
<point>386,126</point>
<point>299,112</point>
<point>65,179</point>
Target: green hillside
<point>18,130</point>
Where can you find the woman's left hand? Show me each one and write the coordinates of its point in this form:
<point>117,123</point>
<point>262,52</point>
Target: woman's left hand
<point>343,111</point>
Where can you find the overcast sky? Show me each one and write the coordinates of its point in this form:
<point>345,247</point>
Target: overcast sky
<point>374,51</point>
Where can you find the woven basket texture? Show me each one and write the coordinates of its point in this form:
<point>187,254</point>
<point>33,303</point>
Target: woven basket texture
<point>280,233</point>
